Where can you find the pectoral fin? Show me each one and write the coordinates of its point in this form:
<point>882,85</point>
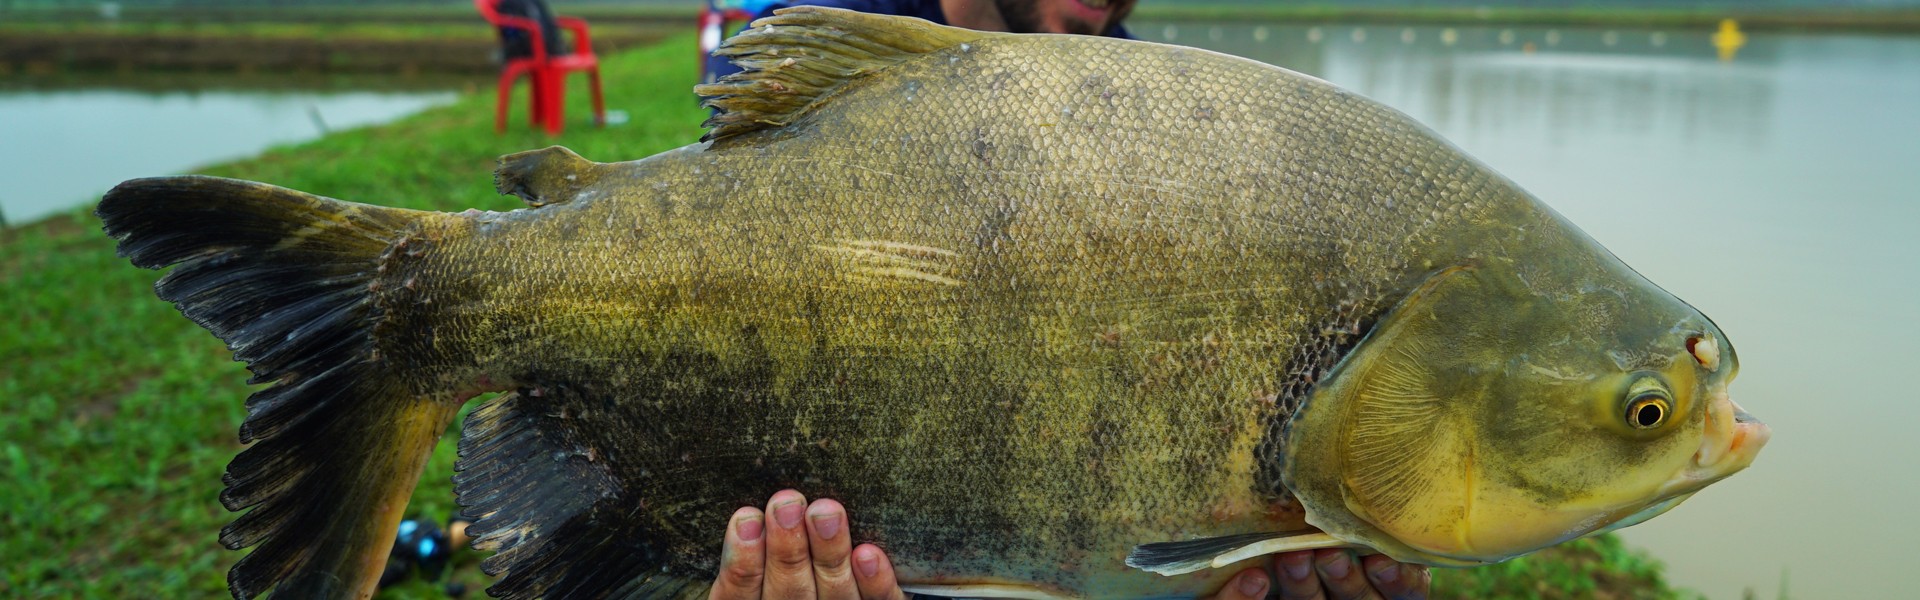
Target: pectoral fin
<point>1179,558</point>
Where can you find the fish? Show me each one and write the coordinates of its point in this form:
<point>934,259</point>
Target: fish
<point>1052,316</point>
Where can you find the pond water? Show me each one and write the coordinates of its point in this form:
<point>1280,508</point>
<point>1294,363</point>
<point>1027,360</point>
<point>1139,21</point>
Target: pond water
<point>1778,191</point>
<point>63,146</point>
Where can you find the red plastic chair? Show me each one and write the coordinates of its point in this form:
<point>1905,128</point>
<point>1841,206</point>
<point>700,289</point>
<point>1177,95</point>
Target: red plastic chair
<point>546,73</point>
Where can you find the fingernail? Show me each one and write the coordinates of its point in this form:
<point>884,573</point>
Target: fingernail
<point>827,525</point>
<point>749,527</point>
<point>868,561</point>
<point>1253,585</point>
<point>1338,567</point>
<point>1387,574</point>
<point>788,513</point>
<point>1296,568</point>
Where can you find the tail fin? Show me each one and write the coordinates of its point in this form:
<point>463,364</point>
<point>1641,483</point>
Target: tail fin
<point>339,439</point>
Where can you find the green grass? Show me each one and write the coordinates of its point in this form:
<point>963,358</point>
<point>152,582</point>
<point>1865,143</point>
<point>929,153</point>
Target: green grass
<point>1583,569</point>
<point>120,415</point>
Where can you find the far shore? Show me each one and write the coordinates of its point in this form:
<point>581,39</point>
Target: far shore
<point>1860,20</point>
<point>682,16</point>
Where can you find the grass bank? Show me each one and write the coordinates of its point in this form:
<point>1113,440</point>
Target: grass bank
<point>121,415</point>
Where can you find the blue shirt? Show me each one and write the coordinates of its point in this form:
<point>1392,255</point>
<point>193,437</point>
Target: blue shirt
<point>718,67</point>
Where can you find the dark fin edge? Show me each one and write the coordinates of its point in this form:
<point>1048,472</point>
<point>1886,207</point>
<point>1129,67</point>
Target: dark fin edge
<point>1190,555</point>
<point>800,56</point>
<point>549,175</point>
<point>283,278</point>
<point>533,493</point>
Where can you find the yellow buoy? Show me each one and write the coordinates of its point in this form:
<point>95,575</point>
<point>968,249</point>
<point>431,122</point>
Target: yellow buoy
<point>1729,39</point>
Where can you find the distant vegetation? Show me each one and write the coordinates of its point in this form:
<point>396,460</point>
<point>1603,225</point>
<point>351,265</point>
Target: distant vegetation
<point>276,42</point>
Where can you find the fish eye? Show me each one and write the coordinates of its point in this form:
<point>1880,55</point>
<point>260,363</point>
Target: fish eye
<point>1648,410</point>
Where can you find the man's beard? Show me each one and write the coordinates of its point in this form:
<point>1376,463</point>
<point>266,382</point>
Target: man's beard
<point>1023,16</point>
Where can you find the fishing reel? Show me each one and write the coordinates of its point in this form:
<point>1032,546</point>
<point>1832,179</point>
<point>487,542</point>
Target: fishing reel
<point>422,547</point>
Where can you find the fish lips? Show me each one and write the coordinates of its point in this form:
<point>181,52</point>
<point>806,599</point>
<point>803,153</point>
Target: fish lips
<point>1732,440</point>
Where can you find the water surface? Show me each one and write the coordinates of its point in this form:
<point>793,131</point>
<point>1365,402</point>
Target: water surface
<point>1778,192</point>
<point>62,146</point>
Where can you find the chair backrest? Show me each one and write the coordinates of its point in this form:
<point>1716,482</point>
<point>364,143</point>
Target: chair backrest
<point>536,35</point>
<point>489,10</point>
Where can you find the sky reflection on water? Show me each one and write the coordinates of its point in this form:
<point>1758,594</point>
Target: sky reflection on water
<point>65,147</point>
<point>1778,192</point>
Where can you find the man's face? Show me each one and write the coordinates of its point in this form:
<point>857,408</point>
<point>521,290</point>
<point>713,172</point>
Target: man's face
<point>1084,17</point>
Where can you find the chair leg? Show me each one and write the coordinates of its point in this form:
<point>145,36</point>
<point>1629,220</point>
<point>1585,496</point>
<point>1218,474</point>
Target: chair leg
<point>537,97</point>
<point>556,100</point>
<point>599,104</point>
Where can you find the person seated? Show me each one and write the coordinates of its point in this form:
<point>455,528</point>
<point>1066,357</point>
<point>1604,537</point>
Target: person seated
<point>804,551</point>
<point>516,43</point>
<point>1080,17</point>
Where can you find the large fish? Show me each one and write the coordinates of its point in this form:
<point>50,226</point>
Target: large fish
<point>1053,316</point>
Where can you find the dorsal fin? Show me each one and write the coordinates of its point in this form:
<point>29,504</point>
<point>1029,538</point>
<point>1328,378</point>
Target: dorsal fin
<point>797,58</point>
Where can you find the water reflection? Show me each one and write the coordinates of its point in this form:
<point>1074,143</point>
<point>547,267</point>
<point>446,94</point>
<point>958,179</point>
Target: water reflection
<point>68,140</point>
<point>1480,81</point>
<point>1777,192</point>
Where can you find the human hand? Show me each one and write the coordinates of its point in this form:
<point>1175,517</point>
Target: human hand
<point>804,553</point>
<point>797,551</point>
<point>1330,575</point>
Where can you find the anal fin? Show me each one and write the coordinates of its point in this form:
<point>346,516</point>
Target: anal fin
<point>544,500</point>
<point>1179,558</point>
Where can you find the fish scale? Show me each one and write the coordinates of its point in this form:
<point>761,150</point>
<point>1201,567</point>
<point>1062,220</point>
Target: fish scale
<point>1053,316</point>
<point>1171,414</point>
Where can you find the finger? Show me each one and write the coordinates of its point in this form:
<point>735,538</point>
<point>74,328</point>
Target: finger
<point>1342,579</point>
<point>789,567</point>
<point>1424,587</point>
<point>827,539</point>
<point>874,574</point>
<point>1250,584</point>
<point>1397,580</point>
<point>742,557</point>
<point>1297,579</point>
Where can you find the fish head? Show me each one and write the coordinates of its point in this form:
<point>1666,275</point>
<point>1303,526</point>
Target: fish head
<point>1494,413</point>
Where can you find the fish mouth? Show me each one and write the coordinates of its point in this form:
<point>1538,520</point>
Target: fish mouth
<point>1733,438</point>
